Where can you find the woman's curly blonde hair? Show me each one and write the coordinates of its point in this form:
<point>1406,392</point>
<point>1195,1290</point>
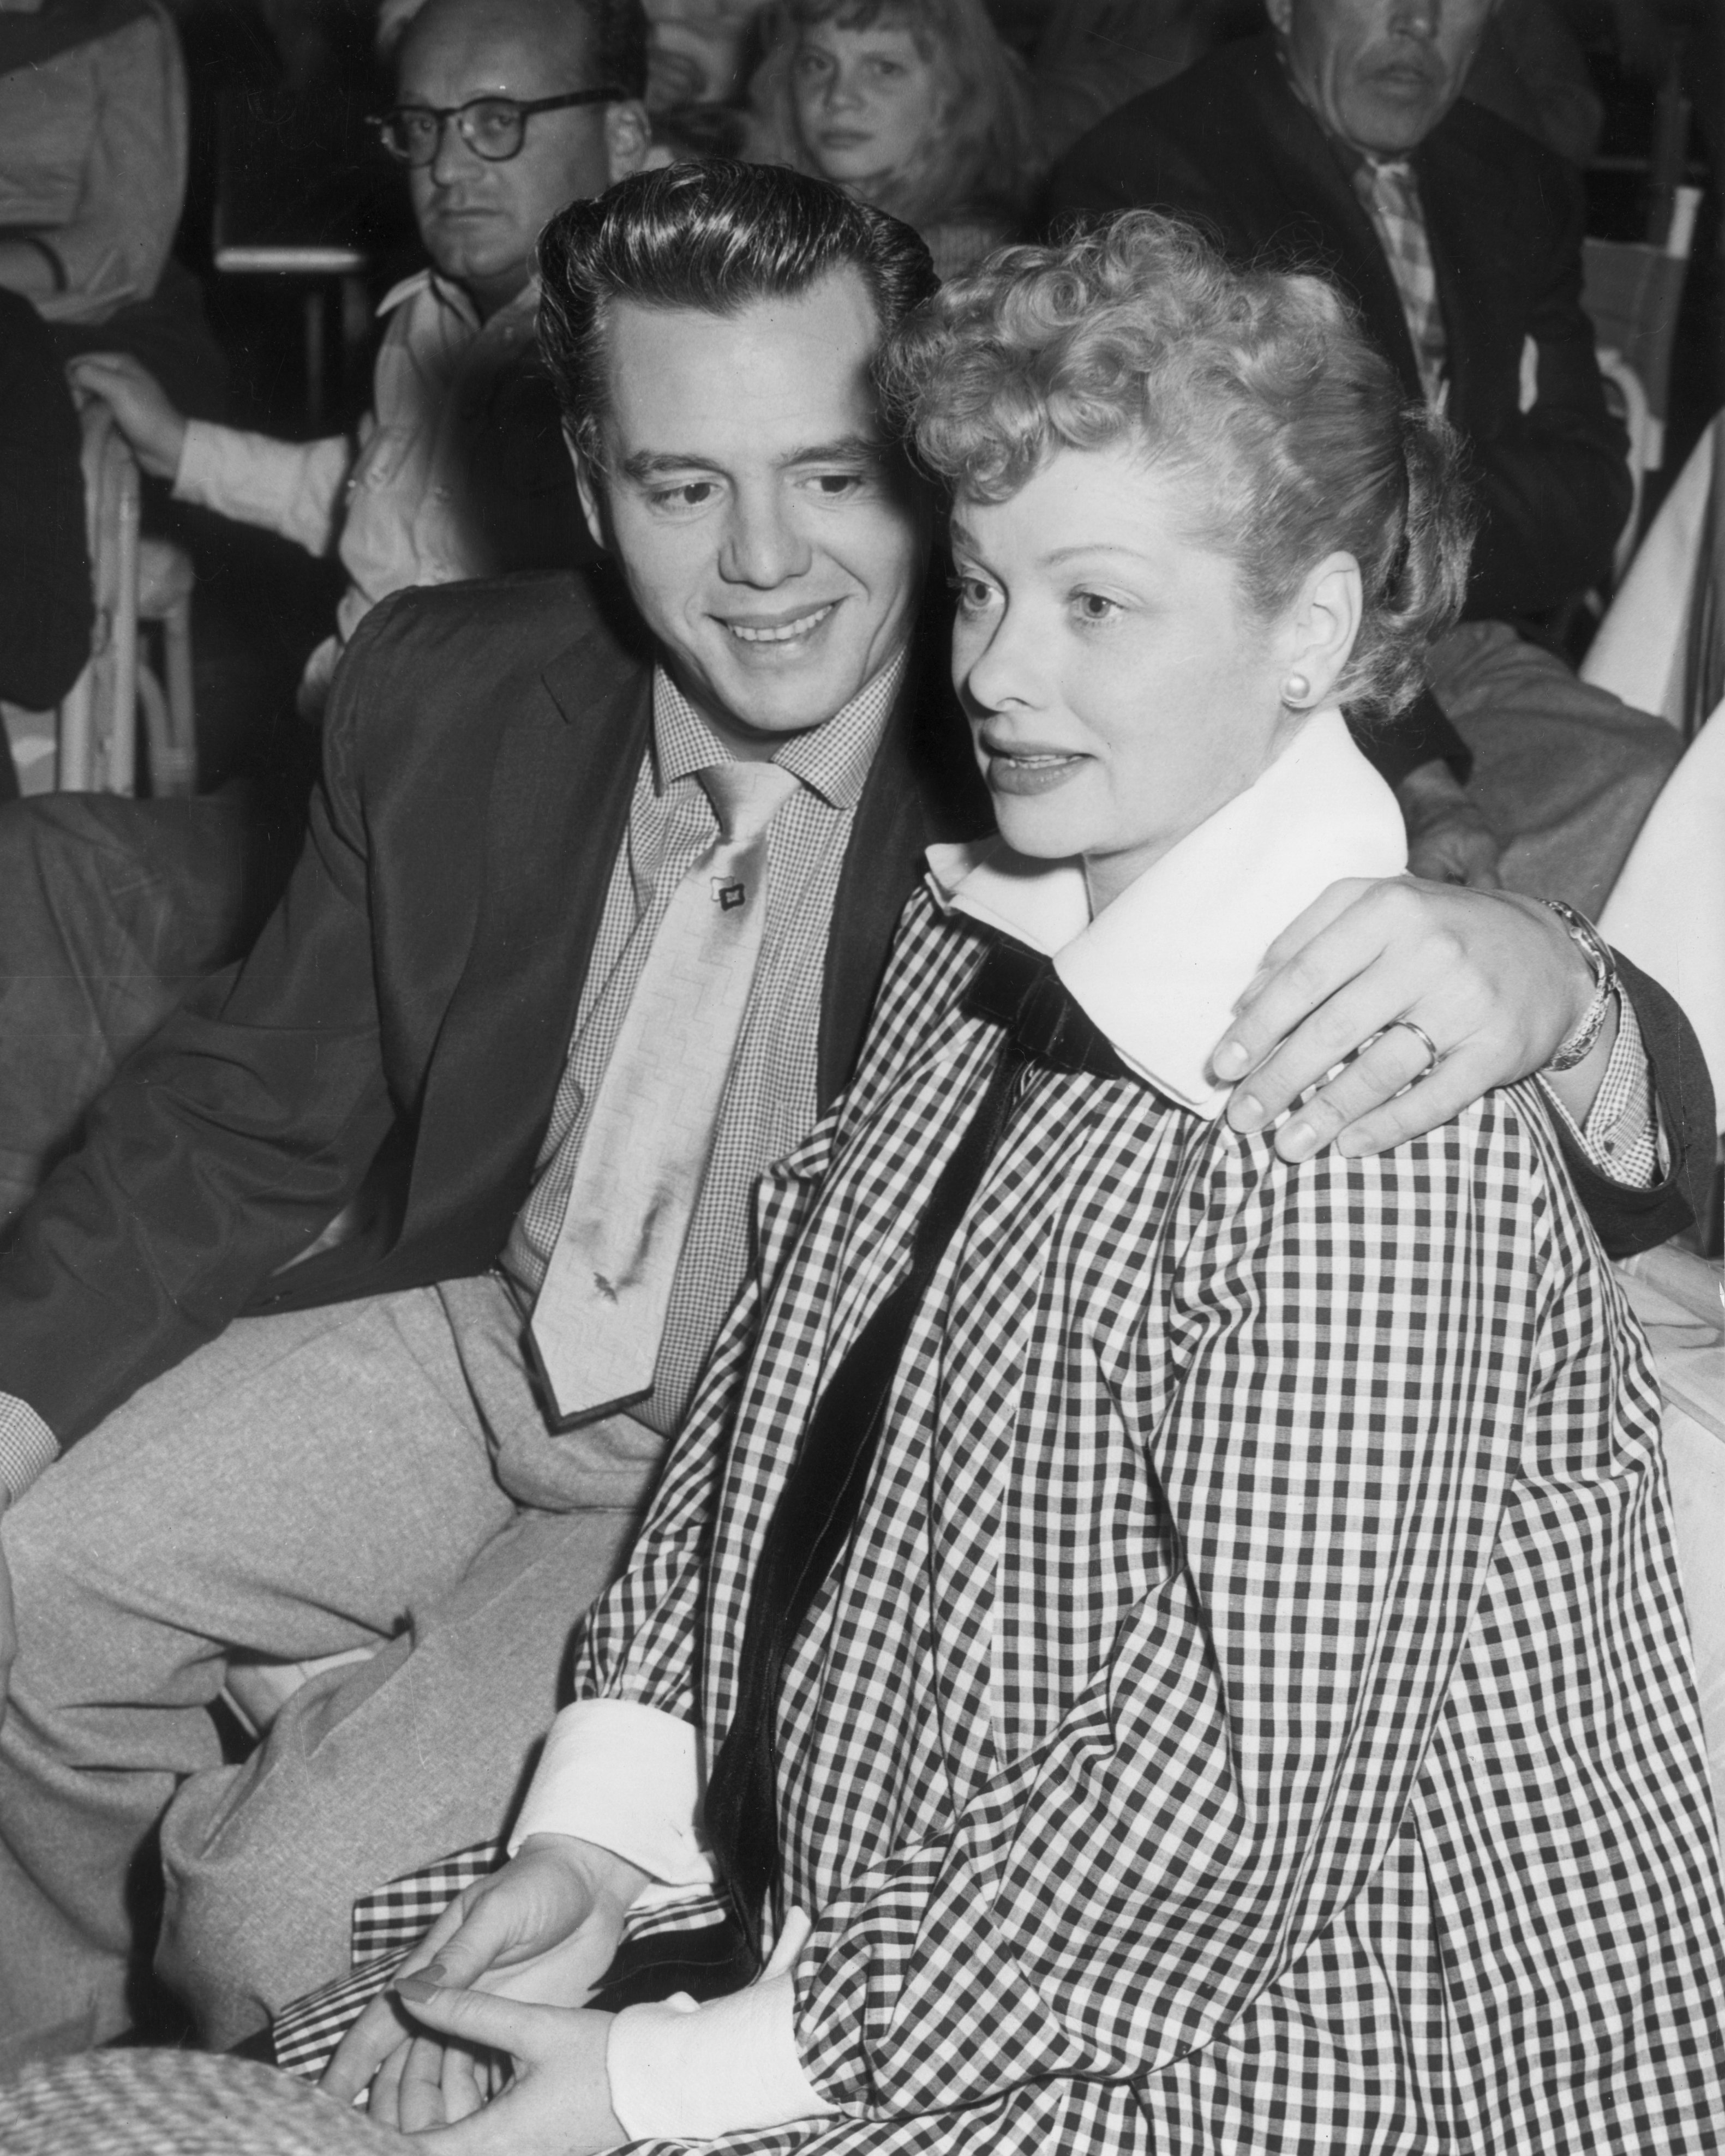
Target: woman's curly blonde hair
<point>1256,388</point>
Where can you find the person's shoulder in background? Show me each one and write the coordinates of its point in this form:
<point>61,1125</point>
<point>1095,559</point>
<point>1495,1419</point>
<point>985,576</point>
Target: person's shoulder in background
<point>1166,139</point>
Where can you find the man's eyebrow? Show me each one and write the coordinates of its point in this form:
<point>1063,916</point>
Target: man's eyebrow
<point>844,449</point>
<point>650,464</point>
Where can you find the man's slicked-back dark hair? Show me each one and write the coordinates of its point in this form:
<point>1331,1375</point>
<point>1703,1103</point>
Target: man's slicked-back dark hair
<point>717,237</point>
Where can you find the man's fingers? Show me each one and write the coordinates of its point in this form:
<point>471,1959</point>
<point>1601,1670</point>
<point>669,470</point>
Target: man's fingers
<point>1343,955</point>
<point>1397,1059</point>
<point>1459,1080</point>
<point>1332,1034</point>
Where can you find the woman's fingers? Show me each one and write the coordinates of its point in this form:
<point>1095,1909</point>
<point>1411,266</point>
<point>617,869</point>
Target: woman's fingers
<point>528,2033</point>
<point>463,2094</point>
<point>380,2030</point>
<point>383,2097</point>
<point>420,2104</point>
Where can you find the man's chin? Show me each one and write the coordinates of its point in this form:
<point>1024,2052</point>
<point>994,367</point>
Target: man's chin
<point>1392,126</point>
<point>790,694</point>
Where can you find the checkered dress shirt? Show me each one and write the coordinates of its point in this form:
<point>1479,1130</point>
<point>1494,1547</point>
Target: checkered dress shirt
<point>1391,194</point>
<point>1254,1709</point>
<point>771,1100</point>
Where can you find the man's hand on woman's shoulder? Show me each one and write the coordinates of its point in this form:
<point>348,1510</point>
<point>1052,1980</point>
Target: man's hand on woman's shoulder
<point>1491,979</point>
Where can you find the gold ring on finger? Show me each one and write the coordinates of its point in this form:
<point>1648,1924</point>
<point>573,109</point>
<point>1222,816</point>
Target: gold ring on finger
<point>1435,1055</point>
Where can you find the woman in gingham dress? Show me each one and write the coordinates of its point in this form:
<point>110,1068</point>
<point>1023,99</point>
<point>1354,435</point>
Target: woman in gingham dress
<point>1234,1695</point>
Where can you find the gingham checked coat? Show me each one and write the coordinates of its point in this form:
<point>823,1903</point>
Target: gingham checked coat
<point>1254,1712</point>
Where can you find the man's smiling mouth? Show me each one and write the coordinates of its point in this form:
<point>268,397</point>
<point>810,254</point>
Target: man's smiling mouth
<point>783,632</point>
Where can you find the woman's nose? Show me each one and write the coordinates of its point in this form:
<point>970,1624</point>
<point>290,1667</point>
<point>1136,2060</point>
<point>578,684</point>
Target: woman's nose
<point>1001,672</point>
<point>843,93</point>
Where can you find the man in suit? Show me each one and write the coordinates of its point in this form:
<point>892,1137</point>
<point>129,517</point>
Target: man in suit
<point>1341,142</point>
<point>108,906</point>
<point>430,1438</point>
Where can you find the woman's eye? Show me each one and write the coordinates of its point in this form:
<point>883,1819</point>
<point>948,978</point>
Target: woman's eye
<point>974,593</point>
<point>1091,606</point>
<point>885,70</point>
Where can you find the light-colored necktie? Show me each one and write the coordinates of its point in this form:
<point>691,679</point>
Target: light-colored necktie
<point>601,1310</point>
<point>1391,197</point>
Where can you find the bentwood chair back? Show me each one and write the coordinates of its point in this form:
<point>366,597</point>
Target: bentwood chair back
<point>136,579</point>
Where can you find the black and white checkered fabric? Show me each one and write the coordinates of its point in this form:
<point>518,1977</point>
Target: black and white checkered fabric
<point>1255,1712</point>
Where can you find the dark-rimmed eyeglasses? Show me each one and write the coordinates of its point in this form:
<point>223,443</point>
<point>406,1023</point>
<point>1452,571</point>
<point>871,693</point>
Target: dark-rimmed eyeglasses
<point>493,128</point>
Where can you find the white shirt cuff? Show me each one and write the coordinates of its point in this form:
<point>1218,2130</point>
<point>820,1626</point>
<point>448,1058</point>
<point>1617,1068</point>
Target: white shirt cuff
<point>27,1446</point>
<point>624,1777</point>
<point>683,2072</point>
<point>294,488</point>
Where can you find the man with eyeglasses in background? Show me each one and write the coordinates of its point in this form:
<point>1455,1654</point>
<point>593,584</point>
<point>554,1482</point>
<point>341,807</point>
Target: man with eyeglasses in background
<point>506,109</point>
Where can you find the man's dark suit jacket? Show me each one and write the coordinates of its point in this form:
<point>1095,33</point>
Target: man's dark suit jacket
<point>413,994</point>
<point>410,1002</point>
<point>1229,144</point>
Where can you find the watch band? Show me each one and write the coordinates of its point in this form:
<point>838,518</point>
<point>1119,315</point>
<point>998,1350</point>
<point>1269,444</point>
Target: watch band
<point>1604,968</point>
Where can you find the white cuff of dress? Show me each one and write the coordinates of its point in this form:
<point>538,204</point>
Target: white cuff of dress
<point>683,2072</point>
<point>624,1777</point>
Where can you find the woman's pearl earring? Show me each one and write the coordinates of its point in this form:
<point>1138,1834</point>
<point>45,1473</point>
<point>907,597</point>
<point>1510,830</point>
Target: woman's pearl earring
<point>1296,690</point>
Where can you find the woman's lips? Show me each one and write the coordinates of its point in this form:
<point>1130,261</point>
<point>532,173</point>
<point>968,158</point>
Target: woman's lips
<point>1029,771</point>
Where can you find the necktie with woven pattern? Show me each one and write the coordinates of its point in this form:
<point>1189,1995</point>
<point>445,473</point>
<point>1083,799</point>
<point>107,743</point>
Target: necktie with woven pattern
<point>600,1312</point>
<point>1391,196</point>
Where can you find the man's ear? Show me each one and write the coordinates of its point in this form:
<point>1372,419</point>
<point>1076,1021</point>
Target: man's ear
<point>629,136</point>
<point>1322,624</point>
<point>591,493</point>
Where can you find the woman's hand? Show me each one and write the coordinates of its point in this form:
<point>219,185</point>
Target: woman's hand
<point>155,429</point>
<point>558,2100</point>
<point>543,1930</point>
<point>1493,978</point>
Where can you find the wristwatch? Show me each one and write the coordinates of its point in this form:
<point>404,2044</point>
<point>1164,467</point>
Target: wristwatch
<point>1604,968</point>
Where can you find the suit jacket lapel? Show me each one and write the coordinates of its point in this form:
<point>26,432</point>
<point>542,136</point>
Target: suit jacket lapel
<point>557,816</point>
<point>1311,172</point>
<point>1464,223</point>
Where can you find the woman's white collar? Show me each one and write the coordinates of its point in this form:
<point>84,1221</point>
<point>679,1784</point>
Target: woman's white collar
<point>1160,970</point>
